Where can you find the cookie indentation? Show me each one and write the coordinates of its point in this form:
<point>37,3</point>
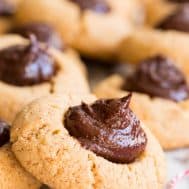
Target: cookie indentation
<point>26,65</point>
<point>108,128</point>
<point>158,77</point>
<point>100,6</point>
<point>43,32</point>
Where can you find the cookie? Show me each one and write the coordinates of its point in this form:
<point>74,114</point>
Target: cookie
<point>37,71</point>
<point>77,146</point>
<point>149,42</point>
<point>95,28</point>
<point>11,172</point>
<point>43,32</point>
<point>160,99</point>
<point>154,14</point>
<point>7,9</point>
<point>177,20</point>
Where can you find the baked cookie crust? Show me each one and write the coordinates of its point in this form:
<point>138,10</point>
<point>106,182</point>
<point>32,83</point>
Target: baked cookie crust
<point>12,174</point>
<point>149,42</point>
<point>93,34</point>
<point>61,162</point>
<point>157,10</point>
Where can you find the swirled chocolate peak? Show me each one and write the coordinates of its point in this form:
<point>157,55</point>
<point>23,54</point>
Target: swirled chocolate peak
<point>4,133</point>
<point>179,20</point>
<point>159,77</point>
<point>100,6</point>
<point>108,128</point>
<point>43,32</point>
<point>6,8</point>
<point>26,65</point>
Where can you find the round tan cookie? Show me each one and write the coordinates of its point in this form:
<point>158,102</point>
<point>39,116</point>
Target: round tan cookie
<point>146,43</point>
<point>71,77</point>
<point>59,160</point>
<point>5,25</point>
<point>6,21</point>
<point>12,174</point>
<point>157,10</point>
<point>167,120</point>
<point>93,34</point>
<point>133,10</point>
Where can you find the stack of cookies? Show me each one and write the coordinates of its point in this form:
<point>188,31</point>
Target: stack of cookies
<point>59,132</point>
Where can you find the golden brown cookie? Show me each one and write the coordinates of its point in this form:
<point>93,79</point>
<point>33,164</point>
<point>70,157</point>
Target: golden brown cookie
<point>19,86</point>
<point>148,42</point>
<point>11,172</point>
<point>62,162</point>
<point>7,10</point>
<point>44,33</point>
<point>93,29</point>
<point>167,120</point>
<point>157,10</point>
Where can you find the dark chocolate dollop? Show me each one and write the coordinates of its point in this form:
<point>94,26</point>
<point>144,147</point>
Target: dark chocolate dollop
<point>4,133</point>
<point>26,65</point>
<point>158,77</point>
<point>6,8</point>
<point>43,32</point>
<point>108,128</point>
<point>100,6</point>
<point>179,20</point>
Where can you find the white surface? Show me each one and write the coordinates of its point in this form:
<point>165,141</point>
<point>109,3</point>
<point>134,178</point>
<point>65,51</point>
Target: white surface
<point>178,161</point>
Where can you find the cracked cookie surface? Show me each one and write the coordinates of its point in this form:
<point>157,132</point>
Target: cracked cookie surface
<point>63,163</point>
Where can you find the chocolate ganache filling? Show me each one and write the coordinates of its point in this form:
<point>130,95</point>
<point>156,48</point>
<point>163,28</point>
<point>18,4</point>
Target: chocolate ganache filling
<point>158,77</point>
<point>43,32</point>
<point>179,20</point>
<point>100,6</point>
<point>108,128</point>
<point>4,133</point>
<point>26,65</point>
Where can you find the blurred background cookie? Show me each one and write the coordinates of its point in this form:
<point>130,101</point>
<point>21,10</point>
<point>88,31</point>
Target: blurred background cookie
<point>29,70</point>
<point>160,98</point>
<point>94,28</point>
